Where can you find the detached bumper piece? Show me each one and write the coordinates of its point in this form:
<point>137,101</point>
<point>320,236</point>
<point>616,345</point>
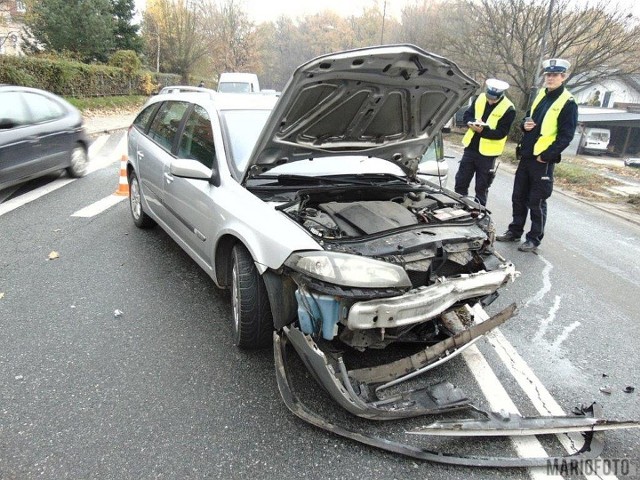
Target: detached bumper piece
<point>436,399</point>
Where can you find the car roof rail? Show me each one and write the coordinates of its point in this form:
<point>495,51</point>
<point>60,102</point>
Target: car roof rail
<point>185,89</point>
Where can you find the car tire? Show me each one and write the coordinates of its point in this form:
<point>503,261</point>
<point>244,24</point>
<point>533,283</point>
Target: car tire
<point>140,218</point>
<point>79,161</point>
<point>252,319</point>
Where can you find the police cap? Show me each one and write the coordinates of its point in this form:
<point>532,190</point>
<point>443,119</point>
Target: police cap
<point>555,65</point>
<point>495,88</point>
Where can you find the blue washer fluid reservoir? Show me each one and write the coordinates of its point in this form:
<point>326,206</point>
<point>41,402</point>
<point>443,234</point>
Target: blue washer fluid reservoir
<point>318,309</point>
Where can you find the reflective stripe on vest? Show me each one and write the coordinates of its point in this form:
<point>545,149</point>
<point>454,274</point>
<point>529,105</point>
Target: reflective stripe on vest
<point>489,147</point>
<point>549,127</point>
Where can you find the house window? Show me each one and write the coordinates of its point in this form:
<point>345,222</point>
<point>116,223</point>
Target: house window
<point>20,6</point>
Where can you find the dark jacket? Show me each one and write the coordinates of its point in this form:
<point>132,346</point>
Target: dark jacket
<point>567,122</point>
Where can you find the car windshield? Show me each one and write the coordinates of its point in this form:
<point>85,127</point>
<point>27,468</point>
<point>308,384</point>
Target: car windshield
<point>243,129</point>
<point>234,87</point>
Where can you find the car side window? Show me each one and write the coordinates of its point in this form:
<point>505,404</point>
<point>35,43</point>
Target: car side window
<point>196,142</point>
<point>144,117</point>
<point>164,128</point>
<point>13,111</point>
<point>42,109</point>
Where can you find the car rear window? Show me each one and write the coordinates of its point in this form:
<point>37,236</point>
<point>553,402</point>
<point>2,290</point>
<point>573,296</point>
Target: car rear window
<point>144,117</point>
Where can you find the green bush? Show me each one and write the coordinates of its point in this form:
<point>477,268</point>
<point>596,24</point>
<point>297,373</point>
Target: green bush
<point>127,60</point>
<point>16,76</point>
<point>75,79</point>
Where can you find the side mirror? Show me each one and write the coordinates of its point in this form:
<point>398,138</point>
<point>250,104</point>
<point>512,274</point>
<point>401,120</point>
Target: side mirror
<point>6,123</point>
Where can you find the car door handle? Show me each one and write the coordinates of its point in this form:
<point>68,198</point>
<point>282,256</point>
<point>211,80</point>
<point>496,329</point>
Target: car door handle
<point>33,139</point>
<point>168,177</point>
<point>140,155</point>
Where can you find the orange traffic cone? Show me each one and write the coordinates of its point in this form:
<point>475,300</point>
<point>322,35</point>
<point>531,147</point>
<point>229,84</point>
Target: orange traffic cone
<point>123,184</point>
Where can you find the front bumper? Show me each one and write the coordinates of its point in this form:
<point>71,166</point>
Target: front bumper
<point>425,303</point>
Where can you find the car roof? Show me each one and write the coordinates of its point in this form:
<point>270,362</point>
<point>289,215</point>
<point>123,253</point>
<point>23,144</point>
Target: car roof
<point>216,100</point>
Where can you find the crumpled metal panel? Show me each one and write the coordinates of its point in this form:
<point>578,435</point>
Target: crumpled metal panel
<point>426,302</point>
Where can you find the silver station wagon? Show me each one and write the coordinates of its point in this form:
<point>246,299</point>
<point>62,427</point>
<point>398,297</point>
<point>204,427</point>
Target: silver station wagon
<point>312,208</point>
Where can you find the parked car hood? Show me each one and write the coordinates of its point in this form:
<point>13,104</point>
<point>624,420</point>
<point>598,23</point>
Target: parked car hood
<point>386,102</point>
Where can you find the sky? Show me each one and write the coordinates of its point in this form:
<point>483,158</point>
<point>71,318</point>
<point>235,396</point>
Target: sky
<point>267,10</point>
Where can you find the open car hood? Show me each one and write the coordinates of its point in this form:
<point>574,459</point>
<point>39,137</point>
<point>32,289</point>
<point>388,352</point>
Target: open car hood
<point>386,102</point>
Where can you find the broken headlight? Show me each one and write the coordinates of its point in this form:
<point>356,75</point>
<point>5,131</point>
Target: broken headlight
<point>348,270</point>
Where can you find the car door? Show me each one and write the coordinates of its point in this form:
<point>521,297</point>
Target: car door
<point>18,150</point>
<point>154,152</point>
<point>55,134</point>
<point>188,201</point>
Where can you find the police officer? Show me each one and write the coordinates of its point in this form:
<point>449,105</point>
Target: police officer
<point>489,120</point>
<point>548,129</point>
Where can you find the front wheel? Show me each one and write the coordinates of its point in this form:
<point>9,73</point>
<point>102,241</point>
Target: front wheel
<point>79,162</point>
<point>140,218</point>
<point>252,320</point>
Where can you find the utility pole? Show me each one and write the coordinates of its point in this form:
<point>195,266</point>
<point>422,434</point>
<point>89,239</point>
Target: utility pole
<point>384,14</point>
<point>543,46</point>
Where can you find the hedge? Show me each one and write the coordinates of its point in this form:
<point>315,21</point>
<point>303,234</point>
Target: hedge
<point>75,79</point>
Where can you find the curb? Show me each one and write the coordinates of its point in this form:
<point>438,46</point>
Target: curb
<point>97,132</point>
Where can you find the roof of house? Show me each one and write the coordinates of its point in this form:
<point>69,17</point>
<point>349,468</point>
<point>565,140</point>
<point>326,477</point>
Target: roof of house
<point>610,116</point>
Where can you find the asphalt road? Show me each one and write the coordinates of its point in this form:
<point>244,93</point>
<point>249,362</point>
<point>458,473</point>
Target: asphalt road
<point>117,362</point>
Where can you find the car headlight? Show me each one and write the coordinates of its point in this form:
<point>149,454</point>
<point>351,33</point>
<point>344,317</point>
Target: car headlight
<point>349,270</point>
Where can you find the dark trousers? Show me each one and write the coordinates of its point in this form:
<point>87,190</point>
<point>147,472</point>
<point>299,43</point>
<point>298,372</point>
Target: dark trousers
<point>532,186</point>
<point>473,163</point>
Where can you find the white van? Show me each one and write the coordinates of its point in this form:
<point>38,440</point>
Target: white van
<point>594,140</point>
<point>238,83</point>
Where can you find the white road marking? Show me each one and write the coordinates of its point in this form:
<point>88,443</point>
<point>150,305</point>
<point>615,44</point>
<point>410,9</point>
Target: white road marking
<point>546,281</point>
<point>97,144</point>
<point>114,156</point>
<point>545,322</point>
<point>564,335</point>
<point>99,206</point>
<point>14,203</point>
<point>542,400</point>
<point>499,400</point>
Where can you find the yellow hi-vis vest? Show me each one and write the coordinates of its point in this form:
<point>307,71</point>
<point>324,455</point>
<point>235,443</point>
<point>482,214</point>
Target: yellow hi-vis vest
<point>489,147</point>
<point>549,127</point>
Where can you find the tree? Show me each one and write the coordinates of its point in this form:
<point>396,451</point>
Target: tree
<point>177,28</point>
<point>426,24</point>
<point>598,40</point>
<point>126,33</point>
<point>83,28</point>
<point>231,38</point>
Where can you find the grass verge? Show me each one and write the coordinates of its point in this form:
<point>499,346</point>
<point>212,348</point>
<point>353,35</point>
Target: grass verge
<point>107,105</point>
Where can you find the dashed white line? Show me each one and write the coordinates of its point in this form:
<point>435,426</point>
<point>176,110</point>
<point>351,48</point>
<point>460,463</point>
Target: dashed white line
<point>14,203</point>
<point>99,206</point>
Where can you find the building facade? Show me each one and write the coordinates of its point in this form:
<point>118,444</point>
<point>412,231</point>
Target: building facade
<point>11,26</point>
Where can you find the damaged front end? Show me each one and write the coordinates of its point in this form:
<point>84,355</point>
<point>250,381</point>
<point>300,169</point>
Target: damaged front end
<point>407,276</point>
<point>359,392</point>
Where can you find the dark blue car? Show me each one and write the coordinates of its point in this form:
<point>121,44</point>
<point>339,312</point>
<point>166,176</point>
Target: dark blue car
<point>39,133</point>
